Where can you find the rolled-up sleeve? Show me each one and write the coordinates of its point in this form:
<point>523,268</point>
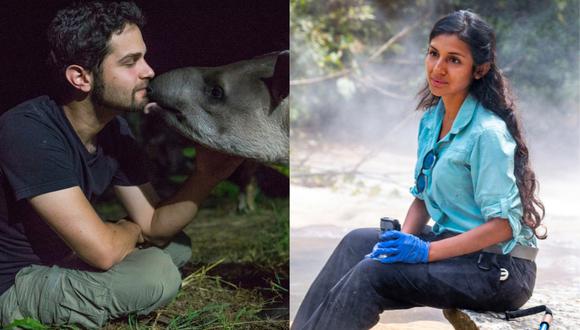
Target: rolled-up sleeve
<point>494,182</point>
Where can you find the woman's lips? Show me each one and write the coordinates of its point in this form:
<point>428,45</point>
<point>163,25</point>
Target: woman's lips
<point>438,83</point>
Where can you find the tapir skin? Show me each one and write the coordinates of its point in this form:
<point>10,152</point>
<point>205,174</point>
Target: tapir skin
<point>239,108</point>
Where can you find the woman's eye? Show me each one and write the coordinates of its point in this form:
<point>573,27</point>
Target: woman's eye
<point>454,60</point>
<point>432,53</point>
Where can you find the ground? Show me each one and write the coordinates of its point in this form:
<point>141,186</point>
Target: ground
<point>238,277</point>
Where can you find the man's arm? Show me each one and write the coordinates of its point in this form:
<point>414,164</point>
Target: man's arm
<point>73,218</point>
<point>161,221</point>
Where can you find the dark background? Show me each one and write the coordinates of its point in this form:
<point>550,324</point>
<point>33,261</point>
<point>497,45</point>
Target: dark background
<point>177,33</point>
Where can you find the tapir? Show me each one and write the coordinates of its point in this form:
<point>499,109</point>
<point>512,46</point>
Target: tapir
<point>239,108</point>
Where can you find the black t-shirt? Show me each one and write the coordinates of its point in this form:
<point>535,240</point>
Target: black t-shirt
<point>39,153</point>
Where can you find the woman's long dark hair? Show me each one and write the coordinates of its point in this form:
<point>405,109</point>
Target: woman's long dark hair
<point>494,94</point>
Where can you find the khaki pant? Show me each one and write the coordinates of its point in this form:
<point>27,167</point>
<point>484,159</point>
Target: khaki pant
<point>144,281</point>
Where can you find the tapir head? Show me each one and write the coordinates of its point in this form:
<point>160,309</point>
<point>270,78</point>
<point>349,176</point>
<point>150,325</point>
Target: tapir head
<point>240,108</point>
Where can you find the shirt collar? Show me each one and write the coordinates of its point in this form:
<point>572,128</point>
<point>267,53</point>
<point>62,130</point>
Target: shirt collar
<point>463,118</point>
<point>465,114</point>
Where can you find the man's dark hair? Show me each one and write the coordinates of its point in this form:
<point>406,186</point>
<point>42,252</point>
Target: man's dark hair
<point>80,34</point>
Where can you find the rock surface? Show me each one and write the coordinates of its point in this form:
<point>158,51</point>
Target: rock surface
<point>564,306</point>
<point>417,325</point>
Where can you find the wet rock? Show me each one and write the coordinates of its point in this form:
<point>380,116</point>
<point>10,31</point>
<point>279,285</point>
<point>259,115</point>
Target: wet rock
<point>563,303</point>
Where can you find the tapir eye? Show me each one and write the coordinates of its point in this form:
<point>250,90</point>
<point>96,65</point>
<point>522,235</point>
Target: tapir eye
<point>215,92</point>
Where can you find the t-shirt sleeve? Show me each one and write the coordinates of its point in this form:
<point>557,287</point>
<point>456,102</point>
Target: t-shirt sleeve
<point>494,182</point>
<point>133,169</point>
<point>33,157</point>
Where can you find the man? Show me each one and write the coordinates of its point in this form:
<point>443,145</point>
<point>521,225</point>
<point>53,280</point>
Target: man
<point>59,262</point>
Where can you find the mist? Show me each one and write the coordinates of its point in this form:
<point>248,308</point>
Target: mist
<point>363,107</point>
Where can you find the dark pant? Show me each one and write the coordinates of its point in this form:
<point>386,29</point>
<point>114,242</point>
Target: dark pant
<point>350,292</point>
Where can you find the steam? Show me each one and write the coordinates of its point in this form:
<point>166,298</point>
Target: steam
<point>366,108</point>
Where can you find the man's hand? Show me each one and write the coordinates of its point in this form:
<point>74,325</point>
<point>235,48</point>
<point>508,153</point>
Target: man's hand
<point>214,164</point>
<point>160,221</point>
<point>125,222</point>
<point>396,246</point>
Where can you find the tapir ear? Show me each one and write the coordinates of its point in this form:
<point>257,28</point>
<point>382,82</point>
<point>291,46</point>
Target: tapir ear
<point>265,65</point>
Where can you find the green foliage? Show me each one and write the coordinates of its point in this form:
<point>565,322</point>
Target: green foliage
<point>332,30</point>
<point>538,44</point>
<point>188,152</point>
<point>226,190</point>
<point>260,238</point>
<point>229,248</point>
<point>26,323</point>
<point>178,178</point>
<point>331,40</point>
<point>284,169</point>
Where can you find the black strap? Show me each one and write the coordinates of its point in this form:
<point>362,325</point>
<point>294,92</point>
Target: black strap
<point>530,311</point>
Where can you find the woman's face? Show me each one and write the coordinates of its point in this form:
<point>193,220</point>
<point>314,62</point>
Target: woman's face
<point>449,66</point>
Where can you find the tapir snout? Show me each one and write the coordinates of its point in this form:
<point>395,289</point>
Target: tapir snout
<point>239,108</point>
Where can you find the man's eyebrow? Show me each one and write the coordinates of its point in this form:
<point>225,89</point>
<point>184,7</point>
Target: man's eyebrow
<point>133,56</point>
<point>450,53</point>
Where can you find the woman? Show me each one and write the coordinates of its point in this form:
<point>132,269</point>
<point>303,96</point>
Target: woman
<point>472,178</point>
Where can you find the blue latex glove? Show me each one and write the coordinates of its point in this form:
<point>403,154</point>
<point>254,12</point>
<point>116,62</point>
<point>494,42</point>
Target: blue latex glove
<point>396,246</point>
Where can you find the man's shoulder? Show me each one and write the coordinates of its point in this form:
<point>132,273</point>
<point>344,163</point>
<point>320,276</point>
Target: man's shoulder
<point>36,108</point>
<point>30,120</point>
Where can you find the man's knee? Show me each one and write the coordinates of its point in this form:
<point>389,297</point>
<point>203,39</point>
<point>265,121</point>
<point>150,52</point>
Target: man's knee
<point>153,282</point>
<point>162,275</point>
<point>179,249</point>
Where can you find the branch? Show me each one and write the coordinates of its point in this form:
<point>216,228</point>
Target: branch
<point>314,80</point>
<point>382,90</point>
<point>347,71</point>
<point>394,39</point>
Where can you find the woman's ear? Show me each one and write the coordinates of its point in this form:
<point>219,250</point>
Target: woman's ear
<point>79,78</point>
<point>481,70</point>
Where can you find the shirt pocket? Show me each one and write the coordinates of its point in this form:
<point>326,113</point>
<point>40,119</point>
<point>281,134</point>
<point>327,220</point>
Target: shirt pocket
<point>452,175</point>
<point>84,302</point>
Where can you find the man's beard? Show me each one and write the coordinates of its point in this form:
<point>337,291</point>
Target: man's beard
<point>115,102</point>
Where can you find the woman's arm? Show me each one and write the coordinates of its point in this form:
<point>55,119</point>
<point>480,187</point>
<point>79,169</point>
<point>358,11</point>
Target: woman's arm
<point>401,247</point>
<point>494,231</point>
<point>416,218</point>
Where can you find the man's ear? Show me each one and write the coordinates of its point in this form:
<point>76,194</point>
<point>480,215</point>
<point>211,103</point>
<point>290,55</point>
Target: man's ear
<point>481,70</point>
<point>79,78</point>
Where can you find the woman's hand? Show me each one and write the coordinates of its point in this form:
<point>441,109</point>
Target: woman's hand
<point>396,246</point>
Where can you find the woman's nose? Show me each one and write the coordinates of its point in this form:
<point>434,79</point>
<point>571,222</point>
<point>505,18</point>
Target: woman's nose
<point>439,67</point>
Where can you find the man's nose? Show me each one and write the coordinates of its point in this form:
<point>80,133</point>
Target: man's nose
<point>148,72</point>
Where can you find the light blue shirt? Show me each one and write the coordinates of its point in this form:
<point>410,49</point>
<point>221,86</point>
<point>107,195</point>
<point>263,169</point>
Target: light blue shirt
<point>473,178</point>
